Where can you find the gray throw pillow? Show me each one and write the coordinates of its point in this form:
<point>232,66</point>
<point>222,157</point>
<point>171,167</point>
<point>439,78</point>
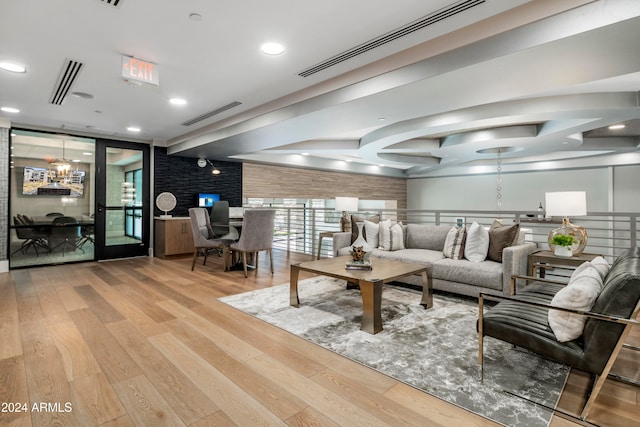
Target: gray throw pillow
<point>501,237</point>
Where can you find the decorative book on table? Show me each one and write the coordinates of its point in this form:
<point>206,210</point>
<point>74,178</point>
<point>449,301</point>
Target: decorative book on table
<point>358,265</point>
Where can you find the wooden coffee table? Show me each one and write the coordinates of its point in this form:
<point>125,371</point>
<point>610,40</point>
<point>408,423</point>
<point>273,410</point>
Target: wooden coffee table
<point>370,282</point>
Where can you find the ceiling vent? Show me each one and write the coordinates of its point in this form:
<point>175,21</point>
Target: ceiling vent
<point>111,2</point>
<point>421,23</point>
<point>66,79</point>
<point>211,113</point>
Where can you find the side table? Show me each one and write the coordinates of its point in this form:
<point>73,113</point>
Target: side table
<point>547,257</point>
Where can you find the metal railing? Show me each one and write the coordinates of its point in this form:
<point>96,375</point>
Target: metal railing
<point>299,229</point>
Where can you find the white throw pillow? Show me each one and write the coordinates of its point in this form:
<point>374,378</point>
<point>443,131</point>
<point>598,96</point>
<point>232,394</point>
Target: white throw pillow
<point>390,238</point>
<point>601,265</point>
<point>372,231</point>
<point>579,294</point>
<point>384,235</point>
<point>477,244</point>
<point>397,237</point>
<point>454,243</point>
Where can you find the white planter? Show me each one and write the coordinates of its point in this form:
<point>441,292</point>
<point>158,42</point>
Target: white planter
<point>563,251</point>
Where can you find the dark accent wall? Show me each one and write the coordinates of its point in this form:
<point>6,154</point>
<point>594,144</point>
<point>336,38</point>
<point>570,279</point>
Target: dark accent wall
<point>182,177</point>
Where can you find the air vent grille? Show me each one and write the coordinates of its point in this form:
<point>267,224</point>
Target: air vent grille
<point>211,113</point>
<point>66,79</point>
<point>394,35</point>
<point>111,2</point>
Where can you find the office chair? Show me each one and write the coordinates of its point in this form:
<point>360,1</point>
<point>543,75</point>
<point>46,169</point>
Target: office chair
<point>219,219</point>
<point>67,229</point>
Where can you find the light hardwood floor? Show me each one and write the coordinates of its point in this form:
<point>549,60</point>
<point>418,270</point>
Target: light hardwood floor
<point>145,342</point>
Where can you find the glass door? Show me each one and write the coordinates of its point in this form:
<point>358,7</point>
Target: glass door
<point>122,199</point>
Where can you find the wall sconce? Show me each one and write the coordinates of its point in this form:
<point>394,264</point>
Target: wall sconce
<point>202,162</point>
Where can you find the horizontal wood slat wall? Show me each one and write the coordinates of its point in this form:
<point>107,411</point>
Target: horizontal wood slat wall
<point>276,181</point>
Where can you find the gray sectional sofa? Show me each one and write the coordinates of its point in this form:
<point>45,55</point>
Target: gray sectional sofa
<point>424,245</point>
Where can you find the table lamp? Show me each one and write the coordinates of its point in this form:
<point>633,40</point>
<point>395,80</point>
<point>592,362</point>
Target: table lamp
<point>569,239</point>
<point>346,205</point>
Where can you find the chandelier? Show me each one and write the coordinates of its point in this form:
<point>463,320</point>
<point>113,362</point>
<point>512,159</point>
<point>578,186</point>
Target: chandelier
<point>61,165</point>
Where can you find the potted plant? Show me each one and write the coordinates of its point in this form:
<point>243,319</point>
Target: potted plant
<point>563,244</point>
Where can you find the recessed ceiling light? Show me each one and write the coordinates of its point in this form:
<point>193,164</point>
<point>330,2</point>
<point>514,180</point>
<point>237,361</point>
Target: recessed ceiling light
<point>272,48</point>
<point>381,165</point>
<point>614,127</point>
<point>348,160</point>
<point>75,161</point>
<point>86,153</point>
<point>305,154</point>
<point>382,119</point>
<point>178,101</point>
<point>133,129</point>
<point>14,68</point>
<point>9,110</point>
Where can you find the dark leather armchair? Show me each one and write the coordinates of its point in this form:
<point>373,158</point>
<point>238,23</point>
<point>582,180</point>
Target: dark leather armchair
<point>522,320</point>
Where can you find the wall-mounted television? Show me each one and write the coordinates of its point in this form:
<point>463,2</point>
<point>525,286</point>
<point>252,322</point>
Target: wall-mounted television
<point>38,181</point>
<point>205,200</point>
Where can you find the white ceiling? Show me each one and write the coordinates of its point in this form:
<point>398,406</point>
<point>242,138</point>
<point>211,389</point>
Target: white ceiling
<point>538,80</point>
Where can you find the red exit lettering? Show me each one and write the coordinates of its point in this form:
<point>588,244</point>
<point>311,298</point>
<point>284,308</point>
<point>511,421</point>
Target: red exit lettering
<point>139,70</point>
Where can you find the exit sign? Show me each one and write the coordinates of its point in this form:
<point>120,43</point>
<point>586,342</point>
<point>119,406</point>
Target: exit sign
<point>139,70</point>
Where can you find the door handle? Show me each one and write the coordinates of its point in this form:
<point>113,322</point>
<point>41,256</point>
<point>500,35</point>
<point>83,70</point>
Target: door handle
<point>100,207</point>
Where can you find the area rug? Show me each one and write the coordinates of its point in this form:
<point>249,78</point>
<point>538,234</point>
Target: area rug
<point>434,350</point>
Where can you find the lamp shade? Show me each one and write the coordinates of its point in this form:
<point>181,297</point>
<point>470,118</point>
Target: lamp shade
<point>347,204</point>
<point>566,203</point>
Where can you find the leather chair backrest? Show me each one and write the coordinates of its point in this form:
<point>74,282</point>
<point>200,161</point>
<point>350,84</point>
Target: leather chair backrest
<point>220,217</point>
<point>21,231</point>
<point>619,297</point>
<point>62,226</point>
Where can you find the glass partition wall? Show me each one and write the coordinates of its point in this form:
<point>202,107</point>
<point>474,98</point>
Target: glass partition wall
<point>51,198</point>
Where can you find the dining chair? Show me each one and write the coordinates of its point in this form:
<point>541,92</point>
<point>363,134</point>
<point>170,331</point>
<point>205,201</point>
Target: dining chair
<point>257,235</point>
<point>204,238</point>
